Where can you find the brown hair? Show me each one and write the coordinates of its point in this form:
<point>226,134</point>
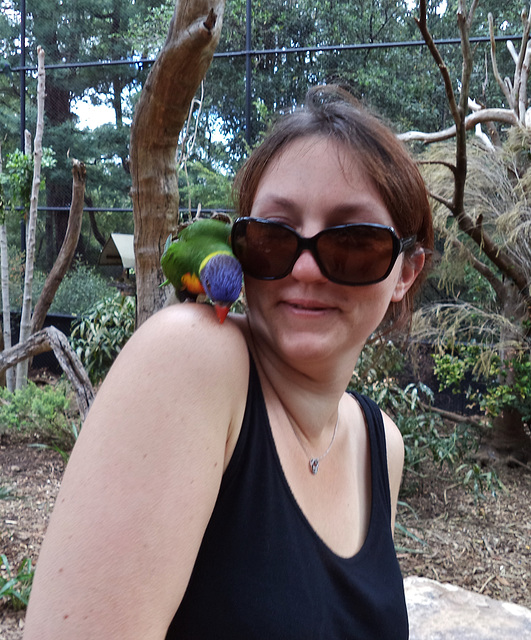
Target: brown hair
<point>332,112</point>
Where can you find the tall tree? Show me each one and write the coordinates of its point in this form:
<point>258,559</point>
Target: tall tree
<point>84,32</point>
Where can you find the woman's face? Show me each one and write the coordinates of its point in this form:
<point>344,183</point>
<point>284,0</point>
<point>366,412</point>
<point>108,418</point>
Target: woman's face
<point>314,184</point>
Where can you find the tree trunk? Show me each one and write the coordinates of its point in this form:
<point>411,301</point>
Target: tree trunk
<point>57,111</point>
<point>159,116</point>
<point>509,436</point>
<point>25,319</point>
<point>6,304</point>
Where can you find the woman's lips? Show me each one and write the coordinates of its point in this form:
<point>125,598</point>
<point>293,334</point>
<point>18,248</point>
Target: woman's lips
<point>309,306</point>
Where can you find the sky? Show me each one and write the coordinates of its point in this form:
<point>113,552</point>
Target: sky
<point>92,116</point>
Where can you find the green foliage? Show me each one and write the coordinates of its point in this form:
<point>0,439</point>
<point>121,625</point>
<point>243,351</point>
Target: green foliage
<point>65,455</point>
<point>425,436</point>
<point>81,288</point>
<point>427,439</point>
<point>479,480</point>
<point>5,493</point>
<point>200,184</point>
<point>15,586</point>
<point>17,178</point>
<point>38,413</point>
<point>495,385</point>
<point>101,334</point>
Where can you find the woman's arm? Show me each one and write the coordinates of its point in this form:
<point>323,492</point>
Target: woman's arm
<point>142,482</point>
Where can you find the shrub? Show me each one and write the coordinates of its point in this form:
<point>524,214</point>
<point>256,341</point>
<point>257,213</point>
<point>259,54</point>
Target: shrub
<point>496,384</point>
<point>102,333</point>
<point>426,436</point>
<point>81,288</point>
<point>38,413</point>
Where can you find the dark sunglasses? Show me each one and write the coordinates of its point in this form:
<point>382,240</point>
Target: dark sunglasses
<point>350,254</point>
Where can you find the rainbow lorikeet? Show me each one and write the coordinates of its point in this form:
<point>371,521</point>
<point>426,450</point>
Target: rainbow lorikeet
<point>200,261</point>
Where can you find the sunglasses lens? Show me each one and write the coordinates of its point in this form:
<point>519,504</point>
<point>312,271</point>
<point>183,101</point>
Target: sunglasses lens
<point>356,255</point>
<point>265,250</point>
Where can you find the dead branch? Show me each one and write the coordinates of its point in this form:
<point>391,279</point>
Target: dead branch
<point>447,203</point>
<point>423,27</point>
<point>515,92</point>
<point>450,415</point>
<point>66,254</point>
<point>494,253</point>
<point>51,339</point>
<point>482,268</point>
<point>505,116</point>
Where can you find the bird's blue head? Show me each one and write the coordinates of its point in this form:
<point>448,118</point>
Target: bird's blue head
<point>221,277</point>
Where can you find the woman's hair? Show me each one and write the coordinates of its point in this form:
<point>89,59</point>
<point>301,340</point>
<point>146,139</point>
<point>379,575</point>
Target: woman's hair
<point>335,114</point>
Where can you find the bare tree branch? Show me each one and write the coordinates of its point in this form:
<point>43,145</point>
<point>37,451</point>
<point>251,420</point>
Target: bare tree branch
<point>452,416</point>
<point>444,201</point>
<point>64,259</point>
<point>423,27</point>
<point>503,85</point>
<point>51,339</point>
<point>441,163</point>
<point>25,317</point>
<point>482,268</point>
<point>474,230</point>
<point>505,116</point>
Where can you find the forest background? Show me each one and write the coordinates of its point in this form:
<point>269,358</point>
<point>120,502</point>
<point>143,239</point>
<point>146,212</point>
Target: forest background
<point>100,52</point>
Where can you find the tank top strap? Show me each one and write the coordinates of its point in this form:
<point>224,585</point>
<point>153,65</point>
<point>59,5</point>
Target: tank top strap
<point>376,431</point>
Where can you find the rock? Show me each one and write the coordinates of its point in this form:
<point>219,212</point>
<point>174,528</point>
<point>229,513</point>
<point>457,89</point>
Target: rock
<point>446,612</point>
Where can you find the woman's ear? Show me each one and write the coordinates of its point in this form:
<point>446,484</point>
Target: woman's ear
<point>411,267</point>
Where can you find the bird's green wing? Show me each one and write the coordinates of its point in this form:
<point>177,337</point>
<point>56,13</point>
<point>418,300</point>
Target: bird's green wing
<point>216,231</point>
<point>180,264</point>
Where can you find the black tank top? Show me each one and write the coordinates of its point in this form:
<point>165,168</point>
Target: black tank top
<point>262,573</point>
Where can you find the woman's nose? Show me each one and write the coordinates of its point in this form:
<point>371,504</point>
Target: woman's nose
<point>306,268</point>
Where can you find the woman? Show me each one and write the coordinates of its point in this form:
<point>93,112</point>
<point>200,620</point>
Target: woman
<point>224,485</point>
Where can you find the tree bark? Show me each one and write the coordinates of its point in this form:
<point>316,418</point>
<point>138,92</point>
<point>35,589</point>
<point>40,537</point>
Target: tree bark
<point>25,319</point>
<point>159,116</point>
<point>64,259</point>
<point>51,339</point>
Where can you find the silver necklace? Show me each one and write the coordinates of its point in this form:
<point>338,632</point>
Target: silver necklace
<point>314,462</point>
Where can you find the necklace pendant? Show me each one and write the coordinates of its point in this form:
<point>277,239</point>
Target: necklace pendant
<point>314,465</point>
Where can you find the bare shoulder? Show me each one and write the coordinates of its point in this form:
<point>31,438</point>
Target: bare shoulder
<point>180,362</point>
<point>189,334</point>
<point>395,443</point>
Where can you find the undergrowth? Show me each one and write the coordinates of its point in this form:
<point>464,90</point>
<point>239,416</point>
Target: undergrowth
<point>15,584</point>
<point>427,437</point>
<point>39,414</point>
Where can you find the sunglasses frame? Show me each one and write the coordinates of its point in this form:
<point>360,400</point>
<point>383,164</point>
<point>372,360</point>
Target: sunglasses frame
<point>310,244</point>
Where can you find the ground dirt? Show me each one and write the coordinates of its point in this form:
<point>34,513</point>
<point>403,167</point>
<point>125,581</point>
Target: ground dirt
<point>452,536</point>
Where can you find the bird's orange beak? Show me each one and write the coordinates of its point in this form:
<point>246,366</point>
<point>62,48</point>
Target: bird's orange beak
<point>221,313</point>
